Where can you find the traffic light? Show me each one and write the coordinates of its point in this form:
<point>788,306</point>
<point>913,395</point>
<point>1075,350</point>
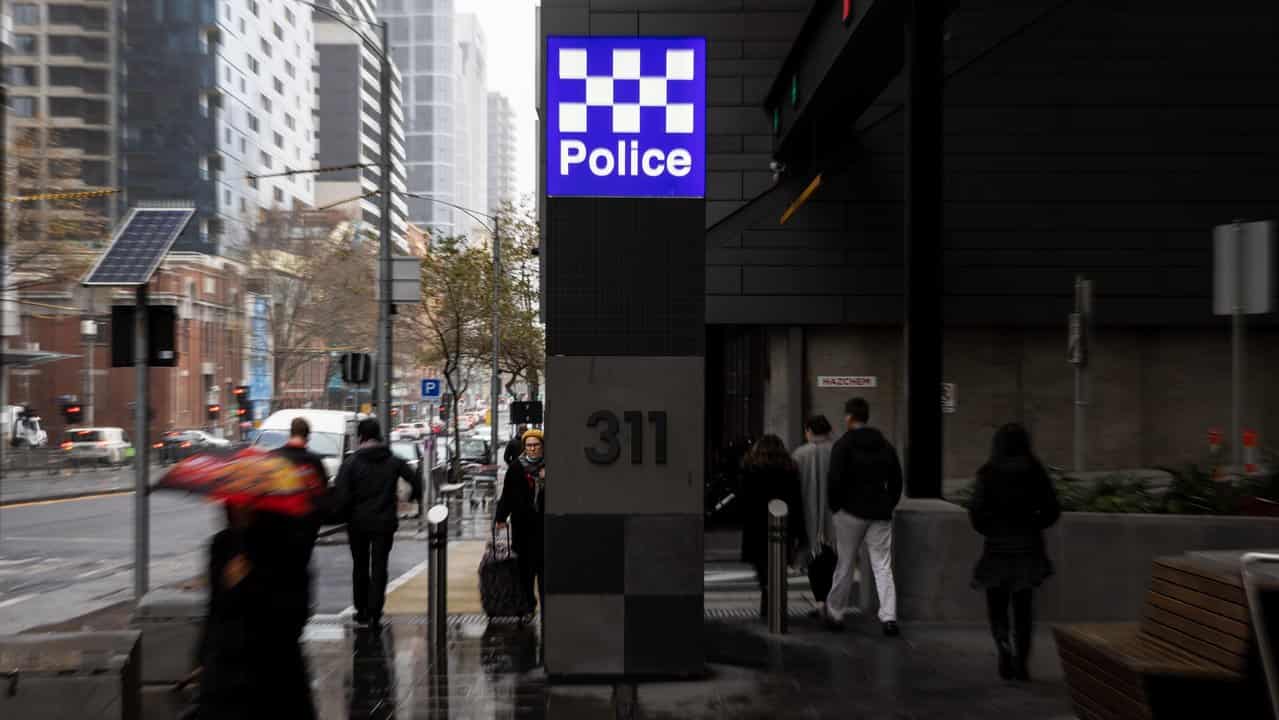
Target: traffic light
<point>244,409</point>
<point>444,411</point>
<point>73,413</point>
<point>215,411</point>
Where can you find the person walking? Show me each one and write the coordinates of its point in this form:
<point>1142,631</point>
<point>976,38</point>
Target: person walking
<point>523,503</point>
<point>865,486</point>
<point>250,659</point>
<point>813,460</point>
<point>366,497</point>
<point>769,473</point>
<point>515,447</point>
<point>1013,502</point>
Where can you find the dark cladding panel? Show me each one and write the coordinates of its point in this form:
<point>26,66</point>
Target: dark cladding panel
<point>625,276</point>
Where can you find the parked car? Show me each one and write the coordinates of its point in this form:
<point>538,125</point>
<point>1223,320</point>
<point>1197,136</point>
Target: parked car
<point>109,445</point>
<point>411,453</point>
<point>332,434</point>
<point>178,445</point>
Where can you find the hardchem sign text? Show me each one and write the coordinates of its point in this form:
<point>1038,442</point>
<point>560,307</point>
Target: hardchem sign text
<point>626,116</point>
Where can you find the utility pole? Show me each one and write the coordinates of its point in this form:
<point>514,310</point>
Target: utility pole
<point>141,443</point>
<point>385,310</point>
<point>1080,340</point>
<point>495,395</point>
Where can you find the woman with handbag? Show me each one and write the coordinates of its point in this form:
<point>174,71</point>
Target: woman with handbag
<point>769,473</point>
<point>1013,503</point>
<point>523,504</point>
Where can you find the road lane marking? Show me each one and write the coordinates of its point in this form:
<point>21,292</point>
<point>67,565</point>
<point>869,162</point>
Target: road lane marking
<point>36,503</point>
<point>396,583</point>
<point>15,601</point>
<point>29,538</point>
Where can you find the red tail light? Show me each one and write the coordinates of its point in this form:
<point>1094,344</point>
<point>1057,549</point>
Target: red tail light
<point>66,445</point>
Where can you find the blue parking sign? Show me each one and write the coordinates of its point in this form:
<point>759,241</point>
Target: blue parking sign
<point>430,388</point>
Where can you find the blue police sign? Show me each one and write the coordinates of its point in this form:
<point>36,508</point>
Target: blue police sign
<point>430,388</point>
<point>626,116</point>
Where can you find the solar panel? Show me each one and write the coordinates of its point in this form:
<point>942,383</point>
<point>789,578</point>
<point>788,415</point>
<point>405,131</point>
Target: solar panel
<point>139,246</point>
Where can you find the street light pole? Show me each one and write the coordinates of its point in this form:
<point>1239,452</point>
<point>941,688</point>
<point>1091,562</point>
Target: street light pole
<point>495,395</point>
<point>384,309</point>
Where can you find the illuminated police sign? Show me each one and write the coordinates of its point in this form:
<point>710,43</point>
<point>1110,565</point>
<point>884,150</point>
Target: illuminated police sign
<point>626,116</point>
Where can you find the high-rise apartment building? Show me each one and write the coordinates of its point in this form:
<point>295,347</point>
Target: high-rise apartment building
<point>441,56</point>
<point>60,65</point>
<point>501,151</point>
<point>350,119</point>
<point>471,118</point>
<point>220,100</point>
<point>423,45</point>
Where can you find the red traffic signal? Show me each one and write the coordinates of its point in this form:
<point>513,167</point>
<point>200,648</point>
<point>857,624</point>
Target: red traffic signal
<point>240,391</point>
<point>73,414</point>
<point>214,411</point>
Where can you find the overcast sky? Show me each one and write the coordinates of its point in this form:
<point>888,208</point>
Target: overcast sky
<point>508,34</point>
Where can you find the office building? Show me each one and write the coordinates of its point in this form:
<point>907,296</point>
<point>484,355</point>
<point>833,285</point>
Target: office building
<point>470,119</point>
<point>219,101</point>
<point>350,123</point>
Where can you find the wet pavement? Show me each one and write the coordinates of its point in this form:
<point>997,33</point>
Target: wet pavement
<point>493,671</point>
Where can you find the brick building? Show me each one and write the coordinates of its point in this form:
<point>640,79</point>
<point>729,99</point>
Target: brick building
<point>210,336</point>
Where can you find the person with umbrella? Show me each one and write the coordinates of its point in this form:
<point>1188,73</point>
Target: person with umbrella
<point>250,658</point>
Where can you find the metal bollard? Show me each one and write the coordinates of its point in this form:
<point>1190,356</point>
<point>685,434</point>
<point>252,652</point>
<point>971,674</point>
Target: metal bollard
<point>777,512</point>
<point>437,581</point>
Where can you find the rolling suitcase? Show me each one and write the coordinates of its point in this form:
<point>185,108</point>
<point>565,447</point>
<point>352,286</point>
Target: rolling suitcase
<point>502,593</point>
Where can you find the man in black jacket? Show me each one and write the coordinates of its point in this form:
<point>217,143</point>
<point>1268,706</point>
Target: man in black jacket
<point>366,497</point>
<point>865,486</point>
<point>293,538</point>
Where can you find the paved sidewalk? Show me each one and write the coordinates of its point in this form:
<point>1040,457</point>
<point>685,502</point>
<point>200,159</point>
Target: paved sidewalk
<point>493,671</point>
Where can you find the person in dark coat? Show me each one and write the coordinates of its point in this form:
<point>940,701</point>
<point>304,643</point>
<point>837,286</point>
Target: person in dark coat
<point>250,658</point>
<point>769,473</point>
<point>296,535</point>
<point>1013,502</point>
<point>515,447</point>
<point>366,496</point>
<point>523,503</point>
<point>864,489</point>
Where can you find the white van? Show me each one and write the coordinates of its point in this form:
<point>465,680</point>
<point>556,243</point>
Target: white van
<point>332,434</point>
<point>98,444</point>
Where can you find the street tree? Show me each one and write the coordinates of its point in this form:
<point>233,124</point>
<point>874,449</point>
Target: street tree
<point>319,276</point>
<point>450,324</point>
<point>522,350</point>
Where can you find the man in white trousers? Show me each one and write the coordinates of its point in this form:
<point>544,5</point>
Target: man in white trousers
<point>864,488</point>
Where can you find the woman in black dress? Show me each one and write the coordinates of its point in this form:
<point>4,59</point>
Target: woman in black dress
<point>1013,503</point>
<point>523,503</point>
<point>769,473</point>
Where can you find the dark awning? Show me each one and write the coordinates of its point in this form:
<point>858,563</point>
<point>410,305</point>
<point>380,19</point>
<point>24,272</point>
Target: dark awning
<point>30,358</point>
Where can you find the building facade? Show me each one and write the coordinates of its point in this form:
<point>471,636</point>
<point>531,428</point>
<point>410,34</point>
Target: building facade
<point>350,120</point>
<point>220,102</point>
<point>501,151</point>
<point>207,293</point>
<point>61,66</point>
<point>1115,169</point>
<point>470,118</point>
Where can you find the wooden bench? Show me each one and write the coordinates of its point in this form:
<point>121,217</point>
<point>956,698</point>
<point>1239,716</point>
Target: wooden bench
<point>1191,655</point>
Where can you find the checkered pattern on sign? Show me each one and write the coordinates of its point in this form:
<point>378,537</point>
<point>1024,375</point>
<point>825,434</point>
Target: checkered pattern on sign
<point>616,90</point>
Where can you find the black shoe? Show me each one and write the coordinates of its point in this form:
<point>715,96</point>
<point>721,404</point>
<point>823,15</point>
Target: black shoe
<point>891,629</point>
<point>1005,660</point>
<point>1021,670</point>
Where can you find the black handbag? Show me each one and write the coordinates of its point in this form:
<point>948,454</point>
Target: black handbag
<point>502,589</point>
<point>821,572</point>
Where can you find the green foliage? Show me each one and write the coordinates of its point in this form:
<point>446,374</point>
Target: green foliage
<point>1192,491</point>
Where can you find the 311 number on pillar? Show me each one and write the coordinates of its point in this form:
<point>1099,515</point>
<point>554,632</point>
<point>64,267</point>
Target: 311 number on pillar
<point>608,448</point>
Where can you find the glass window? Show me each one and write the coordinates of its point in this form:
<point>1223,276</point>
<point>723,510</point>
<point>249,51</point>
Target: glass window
<point>23,106</point>
<point>253,122</point>
<point>423,86</point>
<point>253,64</point>
<point>253,7</point>
<point>23,75</point>
<point>266,47</point>
<point>265,101</point>
<point>399,33</point>
<point>26,14</point>
<point>422,27</point>
<point>266,159</point>
<point>279,85</point>
<point>289,122</point>
<point>279,140</point>
<point>26,45</point>
<point>289,69</point>
<point>243,27</point>
<point>279,31</point>
<point>279,195</point>
<point>288,15</point>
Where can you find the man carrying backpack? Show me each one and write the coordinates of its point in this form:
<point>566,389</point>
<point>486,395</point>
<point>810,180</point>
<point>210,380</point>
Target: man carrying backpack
<point>864,488</point>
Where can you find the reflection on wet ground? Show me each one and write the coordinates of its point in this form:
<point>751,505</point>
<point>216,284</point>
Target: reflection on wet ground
<point>493,671</point>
